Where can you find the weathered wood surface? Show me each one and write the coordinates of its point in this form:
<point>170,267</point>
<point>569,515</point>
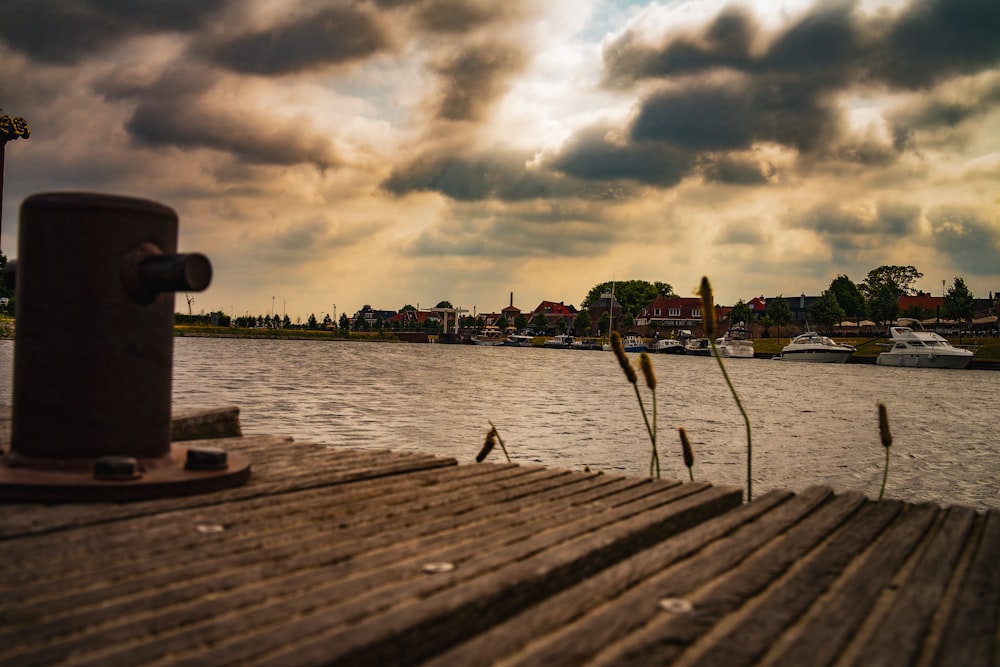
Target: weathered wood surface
<point>339,556</point>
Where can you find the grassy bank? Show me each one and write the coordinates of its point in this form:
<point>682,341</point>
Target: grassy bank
<point>182,330</point>
<point>985,348</point>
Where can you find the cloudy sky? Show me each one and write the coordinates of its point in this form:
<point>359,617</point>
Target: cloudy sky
<point>409,151</point>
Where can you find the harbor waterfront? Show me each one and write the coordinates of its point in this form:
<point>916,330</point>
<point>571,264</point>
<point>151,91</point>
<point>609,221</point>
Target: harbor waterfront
<point>812,423</point>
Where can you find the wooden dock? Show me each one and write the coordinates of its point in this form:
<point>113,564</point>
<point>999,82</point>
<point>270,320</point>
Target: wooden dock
<point>360,557</point>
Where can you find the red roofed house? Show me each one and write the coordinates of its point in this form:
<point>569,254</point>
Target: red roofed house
<point>554,312</point>
<point>675,312</point>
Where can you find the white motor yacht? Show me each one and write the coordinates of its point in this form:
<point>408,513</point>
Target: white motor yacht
<point>814,347</point>
<point>922,349</point>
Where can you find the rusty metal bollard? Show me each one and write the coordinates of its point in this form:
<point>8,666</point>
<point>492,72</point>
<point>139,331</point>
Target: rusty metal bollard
<point>93,355</point>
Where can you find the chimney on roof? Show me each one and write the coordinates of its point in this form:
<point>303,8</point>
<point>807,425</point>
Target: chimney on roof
<point>511,299</point>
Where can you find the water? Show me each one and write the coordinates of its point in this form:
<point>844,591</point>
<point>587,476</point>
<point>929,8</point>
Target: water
<point>812,423</point>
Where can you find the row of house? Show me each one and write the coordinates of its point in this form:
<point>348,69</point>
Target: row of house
<point>663,314</point>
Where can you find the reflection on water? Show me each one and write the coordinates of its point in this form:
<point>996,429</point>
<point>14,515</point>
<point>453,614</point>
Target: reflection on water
<point>812,423</point>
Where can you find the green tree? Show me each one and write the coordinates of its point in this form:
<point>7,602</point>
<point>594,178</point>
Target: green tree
<point>345,323</point>
<point>883,304</point>
<point>767,323</point>
<point>740,313</point>
<point>502,323</point>
<point>898,279</point>
<point>539,323</point>
<point>628,321</point>
<point>849,297</point>
<point>311,322</point>
<point>582,323</point>
<point>520,322</point>
<point>959,303</point>
<point>825,310</point>
<point>444,304</point>
<point>633,295</point>
<point>286,323</point>
<point>779,311</point>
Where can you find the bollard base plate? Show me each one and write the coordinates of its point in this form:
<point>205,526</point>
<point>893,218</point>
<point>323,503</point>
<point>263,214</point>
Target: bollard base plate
<point>23,481</point>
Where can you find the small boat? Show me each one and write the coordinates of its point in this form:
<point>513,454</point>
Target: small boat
<point>489,336</point>
<point>698,346</point>
<point>587,344</point>
<point>735,344</point>
<point>560,342</point>
<point>519,340</point>
<point>667,346</point>
<point>922,349</point>
<point>631,343</point>
<point>814,347</point>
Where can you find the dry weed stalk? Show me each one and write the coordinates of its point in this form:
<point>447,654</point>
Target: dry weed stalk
<point>647,370</point>
<point>886,437</point>
<point>708,320</point>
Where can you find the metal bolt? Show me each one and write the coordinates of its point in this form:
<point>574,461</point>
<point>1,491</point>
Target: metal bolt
<point>117,468</point>
<point>206,458</point>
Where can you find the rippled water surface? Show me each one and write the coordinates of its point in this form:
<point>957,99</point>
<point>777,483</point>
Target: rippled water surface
<point>812,423</point>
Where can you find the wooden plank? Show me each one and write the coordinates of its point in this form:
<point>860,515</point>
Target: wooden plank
<point>324,468</point>
<point>745,635</point>
<point>128,591</point>
<point>822,633</point>
<point>971,635</point>
<point>413,632</point>
<point>205,424</point>
<point>541,621</point>
<point>664,638</point>
<point>896,636</point>
<point>606,619</point>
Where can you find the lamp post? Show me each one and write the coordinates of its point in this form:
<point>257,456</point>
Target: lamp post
<point>11,129</point>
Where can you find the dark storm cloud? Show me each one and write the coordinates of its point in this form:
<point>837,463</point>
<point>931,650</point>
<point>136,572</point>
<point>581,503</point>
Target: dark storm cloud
<point>591,155</point>
<point>936,113</point>
<point>494,175</point>
<point>934,39</point>
<point>737,171</point>
<point>67,31</point>
<point>734,116</point>
<point>176,113</point>
<point>337,34</point>
<point>964,235</point>
<point>731,86</point>
<point>726,42</point>
<point>475,77</point>
<point>846,228</point>
<point>460,16</point>
<point>520,232</point>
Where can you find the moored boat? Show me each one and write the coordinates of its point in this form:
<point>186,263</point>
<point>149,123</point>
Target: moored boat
<point>735,344</point>
<point>698,346</point>
<point>667,346</point>
<point>631,343</point>
<point>811,346</point>
<point>519,340</point>
<point>587,344</point>
<point>922,349</point>
<point>560,342</point>
<point>489,336</point>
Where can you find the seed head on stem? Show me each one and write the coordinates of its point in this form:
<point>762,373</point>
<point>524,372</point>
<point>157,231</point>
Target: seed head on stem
<point>707,307</point>
<point>688,452</point>
<point>886,437</point>
<point>619,350</point>
<point>647,370</point>
<point>883,426</point>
